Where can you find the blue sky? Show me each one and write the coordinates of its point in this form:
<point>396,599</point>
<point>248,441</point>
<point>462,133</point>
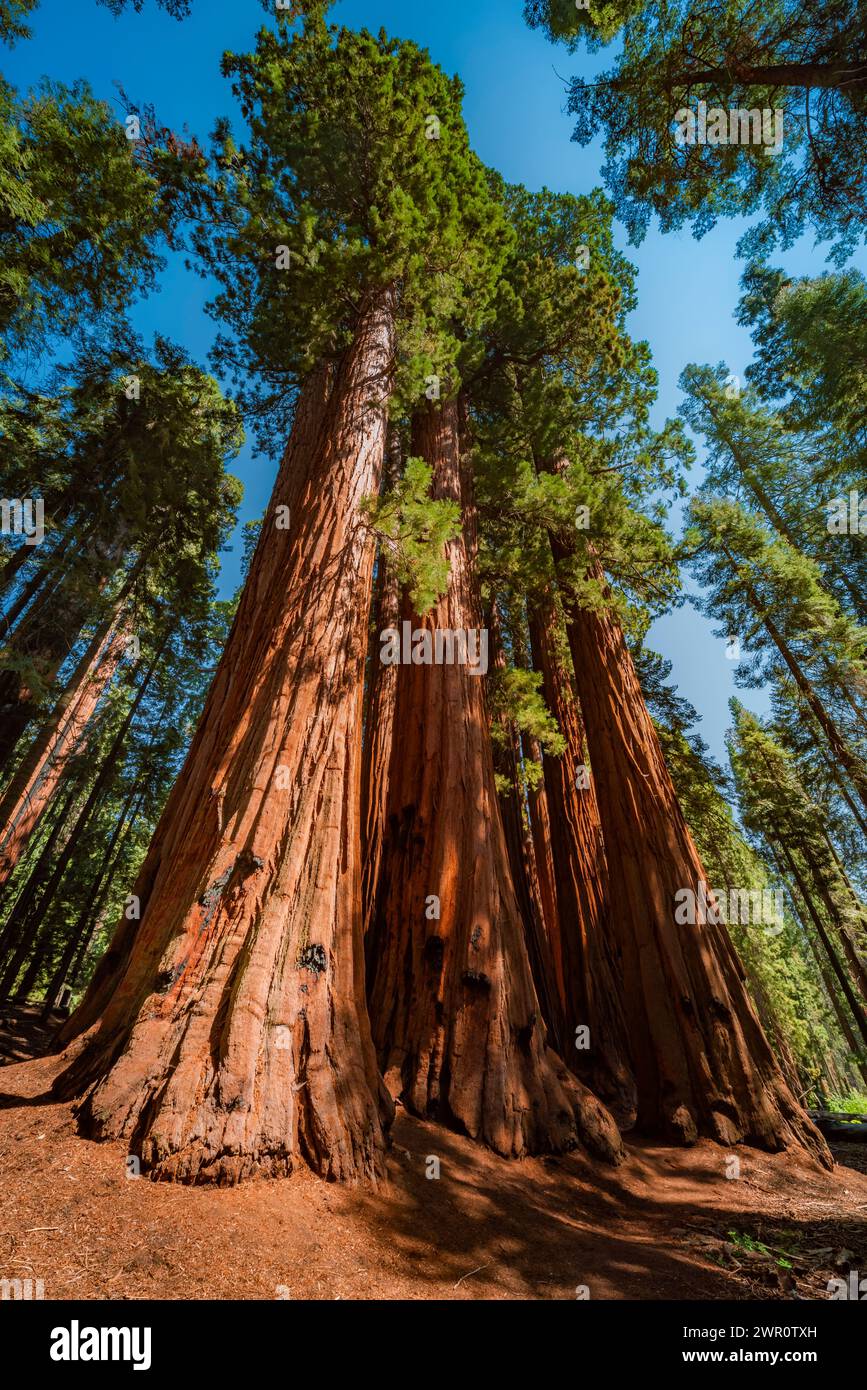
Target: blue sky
<point>514,106</point>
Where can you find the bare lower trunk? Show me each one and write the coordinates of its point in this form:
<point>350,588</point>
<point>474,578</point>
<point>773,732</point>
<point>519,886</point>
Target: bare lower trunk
<point>703,1065</point>
<point>236,1041</point>
<point>599,1053</point>
<point>453,1009</point>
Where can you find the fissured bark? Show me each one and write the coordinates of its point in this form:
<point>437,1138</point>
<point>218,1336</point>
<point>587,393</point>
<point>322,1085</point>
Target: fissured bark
<point>236,1041</point>
<point>590,963</point>
<point>703,1065</point>
<point>454,1013</point>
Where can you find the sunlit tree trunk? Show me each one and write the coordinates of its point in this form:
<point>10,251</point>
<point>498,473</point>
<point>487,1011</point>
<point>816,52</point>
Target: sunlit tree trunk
<point>235,1041</point>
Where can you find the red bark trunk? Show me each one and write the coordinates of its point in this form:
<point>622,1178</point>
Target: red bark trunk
<point>380,713</point>
<point>45,762</point>
<point>453,1009</point>
<point>702,1062</point>
<point>236,1041</point>
<point>590,969</point>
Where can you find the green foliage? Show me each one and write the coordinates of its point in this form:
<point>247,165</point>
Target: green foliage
<point>561,399</point>
<point>741,1240</point>
<point>811,340</point>
<point>79,216</point>
<point>731,54</point>
<point>516,699</point>
<point>131,487</point>
<point>770,593</point>
<point>12,15</point>
<point>854,1103</point>
<point>790,470</point>
<point>595,24</point>
<point>413,529</point>
<point>339,170</point>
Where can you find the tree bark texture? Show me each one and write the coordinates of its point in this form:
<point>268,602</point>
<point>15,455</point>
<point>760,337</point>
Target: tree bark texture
<point>235,1041</point>
<point>454,1014</point>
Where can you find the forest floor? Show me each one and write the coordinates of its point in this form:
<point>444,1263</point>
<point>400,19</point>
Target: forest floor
<point>667,1224</point>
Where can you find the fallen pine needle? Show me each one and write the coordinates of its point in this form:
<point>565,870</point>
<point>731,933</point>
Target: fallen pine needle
<point>471,1273</point>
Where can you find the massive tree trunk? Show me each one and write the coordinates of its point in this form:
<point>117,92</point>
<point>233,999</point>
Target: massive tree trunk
<point>590,961</point>
<point>703,1065</point>
<point>453,1009</point>
<point>236,1041</point>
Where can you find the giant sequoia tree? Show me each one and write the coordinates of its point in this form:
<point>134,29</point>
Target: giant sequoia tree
<point>453,1007</point>
<point>236,1038</point>
<point>701,1061</point>
<point>372,882</point>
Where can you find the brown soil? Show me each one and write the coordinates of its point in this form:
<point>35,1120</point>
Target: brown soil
<point>488,1228</point>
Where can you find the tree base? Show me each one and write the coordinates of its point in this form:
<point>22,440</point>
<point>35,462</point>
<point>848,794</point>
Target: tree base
<point>551,1112</point>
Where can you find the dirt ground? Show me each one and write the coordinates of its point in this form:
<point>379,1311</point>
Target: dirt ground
<point>668,1224</point>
